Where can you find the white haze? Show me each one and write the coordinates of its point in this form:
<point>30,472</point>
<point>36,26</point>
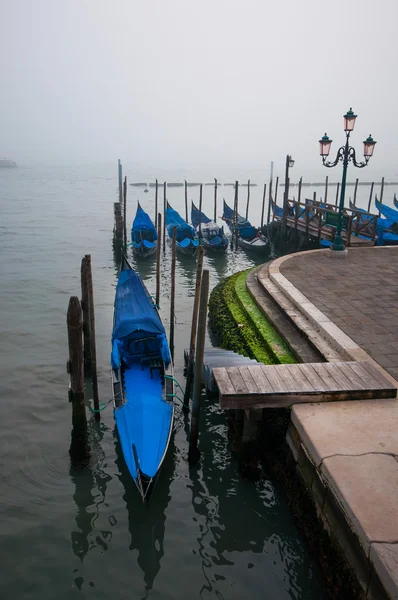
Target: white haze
<point>208,84</point>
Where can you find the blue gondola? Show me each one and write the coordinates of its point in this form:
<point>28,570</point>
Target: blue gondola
<point>389,213</point>
<point>249,237</point>
<point>144,236</point>
<point>142,386</point>
<point>395,201</point>
<point>211,236</point>
<point>383,226</point>
<point>187,240</point>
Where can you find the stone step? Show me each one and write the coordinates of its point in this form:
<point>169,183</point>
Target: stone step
<point>301,323</point>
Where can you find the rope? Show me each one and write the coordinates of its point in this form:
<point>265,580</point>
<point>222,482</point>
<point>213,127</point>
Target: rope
<point>175,381</point>
<point>102,406</point>
<point>174,396</point>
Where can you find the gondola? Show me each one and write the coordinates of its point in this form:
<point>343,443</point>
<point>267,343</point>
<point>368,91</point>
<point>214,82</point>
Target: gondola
<point>395,201</point>
<point>389,213</point>
<point>211,236</point>
<point>142,380</point>
<point>144,237</point>
<point>249,237</point>
<point>187,241</point>
<point>383,227</point>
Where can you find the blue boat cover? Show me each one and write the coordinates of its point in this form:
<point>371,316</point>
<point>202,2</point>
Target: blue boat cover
<point>247,233</point>
<point>387,211</point>
<point>198,217</point>
<point>229,215</point>
<point>173,219</point>
<point>143,228</point>
<point>134,309</point>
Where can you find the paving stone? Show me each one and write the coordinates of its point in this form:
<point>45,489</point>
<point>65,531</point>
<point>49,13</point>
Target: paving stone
<point>366,488</point>
<point>385,560</point>
<point>347,428</point>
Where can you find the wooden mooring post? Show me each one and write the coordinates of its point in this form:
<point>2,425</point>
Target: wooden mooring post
<point>337,194</point>
<point>173,292</point>
<point>248,200</point>
<point>355,191</point>
<point>186,199</point>
<point>194,327</point>
<point>125,212</point>
<point>235,228</point>
<point>269,193</point>
<point>300,185</point>
<point>215,200</point>
<point>381,192</point>
<point>158,252</point>
<point>326,188</point>
<point>200,209</point>
<point>194,452</point>
<point>78,450</point>
<point>164,217</point>
<point>120,180</point>
<point>371,195</point>
<point>90,350</point>
<point>118,227</point>
<point>156,203</point>
<point>263,209</point>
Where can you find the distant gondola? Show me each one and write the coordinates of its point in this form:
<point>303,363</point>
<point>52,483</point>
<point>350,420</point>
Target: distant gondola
<point>249,237</point>
<point>211,236</point>
<point>186,238</point>
<point>144,236</point>
<point>395,201</point>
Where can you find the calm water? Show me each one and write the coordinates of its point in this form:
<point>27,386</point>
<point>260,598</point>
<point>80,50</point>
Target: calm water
<point>207,533</point>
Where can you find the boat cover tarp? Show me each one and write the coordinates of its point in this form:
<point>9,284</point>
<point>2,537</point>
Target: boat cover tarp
<point>387,211</point>
<point>144,420</point>
<point>215,241</point>
<point>144,243</point>
<point>198,217</point>
<point>229,215</point>
<point>143,228</point>
<point>134,309</point>
<point>247,233</point>
<point>173,219</point>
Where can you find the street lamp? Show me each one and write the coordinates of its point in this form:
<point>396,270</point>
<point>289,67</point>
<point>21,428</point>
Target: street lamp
<point>345,154</point>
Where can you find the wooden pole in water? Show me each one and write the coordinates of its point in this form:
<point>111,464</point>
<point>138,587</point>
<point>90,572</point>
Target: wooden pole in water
<point>194,453</point>
<point>299,190</point>
<point>326,188</point>
<point>200,209</point>
<point>269,193</point>
<point>186,200</point>
<point>173,291</point>
<point>120,179</point>
<point>86,317</point>
<point>125,212</point>
<point>263,208</point>
<point>93,349</point>
<point>337,193</point>
<point>164,217</point>
<point>381,192</point>
<point>158,250</point>
<point>215,200</point>
<point>194,327</point>
<point>248,199</point>
<point>276,189</point>
<point>314,197</point>
<point>156,203</point>
<point>370,195</point>
<point>355,191</point>
<point>78,449</point>
<point>236,201</point>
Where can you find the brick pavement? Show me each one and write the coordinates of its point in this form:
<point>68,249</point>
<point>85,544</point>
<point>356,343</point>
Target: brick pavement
<point>358,293</point>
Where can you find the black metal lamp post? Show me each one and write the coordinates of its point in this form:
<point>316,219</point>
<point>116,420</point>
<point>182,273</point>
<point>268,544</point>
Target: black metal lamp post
<point>345,154</point>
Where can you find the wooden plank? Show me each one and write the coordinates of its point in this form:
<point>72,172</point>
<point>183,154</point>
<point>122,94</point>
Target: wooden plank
<point>300,377</point>
<point>376,374</point>
<point>312,377</point>
<point>275,379</point>
<point>223,381</point>
<point>358,382</point>
<point>328,381</point>
<point>261,380</point>
<point>291,385</point>
<point>366,378</point>
<point>248,379</point>
<point>237,381</point>
<point>334,371</point>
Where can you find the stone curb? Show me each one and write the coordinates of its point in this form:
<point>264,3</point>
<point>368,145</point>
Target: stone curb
<point>336,336</point>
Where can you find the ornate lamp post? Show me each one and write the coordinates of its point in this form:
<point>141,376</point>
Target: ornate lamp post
<point>345,154</point>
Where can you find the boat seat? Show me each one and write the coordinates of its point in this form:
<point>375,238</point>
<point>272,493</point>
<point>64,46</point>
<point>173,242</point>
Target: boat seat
<point>153,362</point>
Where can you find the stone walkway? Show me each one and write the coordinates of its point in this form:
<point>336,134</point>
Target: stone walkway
<point>347,452</point>
<point>358,293</point>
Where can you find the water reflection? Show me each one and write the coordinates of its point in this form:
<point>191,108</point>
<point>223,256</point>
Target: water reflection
<point>146,522</point>
<point>90,491</point>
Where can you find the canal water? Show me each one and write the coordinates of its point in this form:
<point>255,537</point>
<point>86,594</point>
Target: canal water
<point>207,533</point>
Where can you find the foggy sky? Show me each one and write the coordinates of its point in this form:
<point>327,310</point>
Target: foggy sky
<point>210,82</point>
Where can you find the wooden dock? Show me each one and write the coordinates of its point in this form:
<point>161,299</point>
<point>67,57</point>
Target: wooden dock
<point>281,386</point>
